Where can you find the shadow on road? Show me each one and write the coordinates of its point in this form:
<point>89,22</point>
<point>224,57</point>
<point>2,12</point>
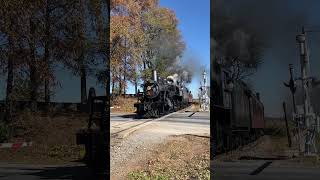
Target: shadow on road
<point>130,116</point>
<point>75,172</point>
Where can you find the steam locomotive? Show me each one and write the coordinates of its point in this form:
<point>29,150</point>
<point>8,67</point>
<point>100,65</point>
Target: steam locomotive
<point>162,96</point>
<point>238,113</point>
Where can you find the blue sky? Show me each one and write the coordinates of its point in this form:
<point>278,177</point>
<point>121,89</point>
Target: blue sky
<point>194,24</point>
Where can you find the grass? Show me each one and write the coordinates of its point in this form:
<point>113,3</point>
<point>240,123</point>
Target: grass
<point>182,157</point>
<point>141,175</point>
<point>276,127</point>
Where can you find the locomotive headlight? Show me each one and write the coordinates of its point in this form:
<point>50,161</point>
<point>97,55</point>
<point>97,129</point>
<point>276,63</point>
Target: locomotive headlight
<point>149,91</point>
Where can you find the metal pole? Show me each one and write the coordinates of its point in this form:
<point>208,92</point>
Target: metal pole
<point>287,126</point>
<point>305,66</point>
<point>292,87</point>
<point>304,61</point>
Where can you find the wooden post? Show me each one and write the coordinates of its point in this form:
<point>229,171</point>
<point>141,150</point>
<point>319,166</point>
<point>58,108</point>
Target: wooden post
<point>287,126</point>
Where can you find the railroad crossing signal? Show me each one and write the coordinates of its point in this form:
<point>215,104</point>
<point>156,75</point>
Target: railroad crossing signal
<point>310,120</point>
<point>291,84</point>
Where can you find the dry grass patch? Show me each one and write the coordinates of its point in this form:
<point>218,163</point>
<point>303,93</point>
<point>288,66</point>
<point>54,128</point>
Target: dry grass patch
<point>54,138</point>
<point>181,157</point>
<point>121,104</point>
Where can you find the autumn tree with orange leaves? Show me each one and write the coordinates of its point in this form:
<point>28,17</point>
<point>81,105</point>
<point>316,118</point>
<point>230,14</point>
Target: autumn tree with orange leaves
<point>141,32</point>
<point>37,36</point>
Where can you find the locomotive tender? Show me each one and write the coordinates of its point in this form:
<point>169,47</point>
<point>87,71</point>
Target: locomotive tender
<point>162,96</point>
<point>238,113</point>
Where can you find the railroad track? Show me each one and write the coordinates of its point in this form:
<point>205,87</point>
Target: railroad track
<point>132,123</point>
<point>122,130</point>
<point>128,125</point>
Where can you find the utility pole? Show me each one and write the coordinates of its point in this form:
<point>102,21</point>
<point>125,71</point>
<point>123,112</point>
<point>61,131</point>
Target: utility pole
<point>305,66</point>
<point>305,79</point>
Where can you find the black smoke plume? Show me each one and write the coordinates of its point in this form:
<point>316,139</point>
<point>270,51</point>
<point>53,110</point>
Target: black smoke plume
<point>276,23</point>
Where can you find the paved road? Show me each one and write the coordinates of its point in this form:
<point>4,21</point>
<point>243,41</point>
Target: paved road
<point>262,170</point>
<point>122,119</point>
<point>37,172</point>
<point>189,117</point>
<point>181,122</point>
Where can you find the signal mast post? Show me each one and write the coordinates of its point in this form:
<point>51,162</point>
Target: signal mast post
<point>204,97</point>
<point>308,116</point>
<point>292,86</point>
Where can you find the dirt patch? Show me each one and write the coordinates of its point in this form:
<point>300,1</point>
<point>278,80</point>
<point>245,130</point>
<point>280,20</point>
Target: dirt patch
<point>265,147</point>
<point>273,145</point>
<point>121,104</point>
<point>53,137</point>
<point>194,107</point>
<point>180,157</point>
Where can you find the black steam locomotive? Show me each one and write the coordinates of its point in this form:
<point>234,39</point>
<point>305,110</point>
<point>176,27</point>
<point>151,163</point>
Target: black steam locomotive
<point>238,114</point>
<point>162,96</point>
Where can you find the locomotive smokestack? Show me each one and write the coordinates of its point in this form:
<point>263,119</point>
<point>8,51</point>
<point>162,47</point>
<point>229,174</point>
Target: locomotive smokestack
<point>155,78</point>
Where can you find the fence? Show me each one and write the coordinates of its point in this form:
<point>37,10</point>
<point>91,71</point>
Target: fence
<point>42,106</point>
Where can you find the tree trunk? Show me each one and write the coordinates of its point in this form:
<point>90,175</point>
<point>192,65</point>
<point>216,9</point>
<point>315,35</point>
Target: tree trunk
<point>136,76</point>
<point>47,56</point>
<point>120,84</point>
<point>125,69</point>
<point>136,86</point>
<point>10,78</point>
<point>97,6</point>
<point>144,69</point>
<point>33,79</point>
<point>33,68</point>
<point>124,84</point>
<point>9,84</point>
<point>46,91</point>
<point>107,90</point>
<point>83,77</point>
<point>112,90</point>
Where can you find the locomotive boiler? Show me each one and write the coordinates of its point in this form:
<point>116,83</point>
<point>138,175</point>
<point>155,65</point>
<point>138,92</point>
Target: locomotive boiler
<point>238,113</point>
<point>161,96</point>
